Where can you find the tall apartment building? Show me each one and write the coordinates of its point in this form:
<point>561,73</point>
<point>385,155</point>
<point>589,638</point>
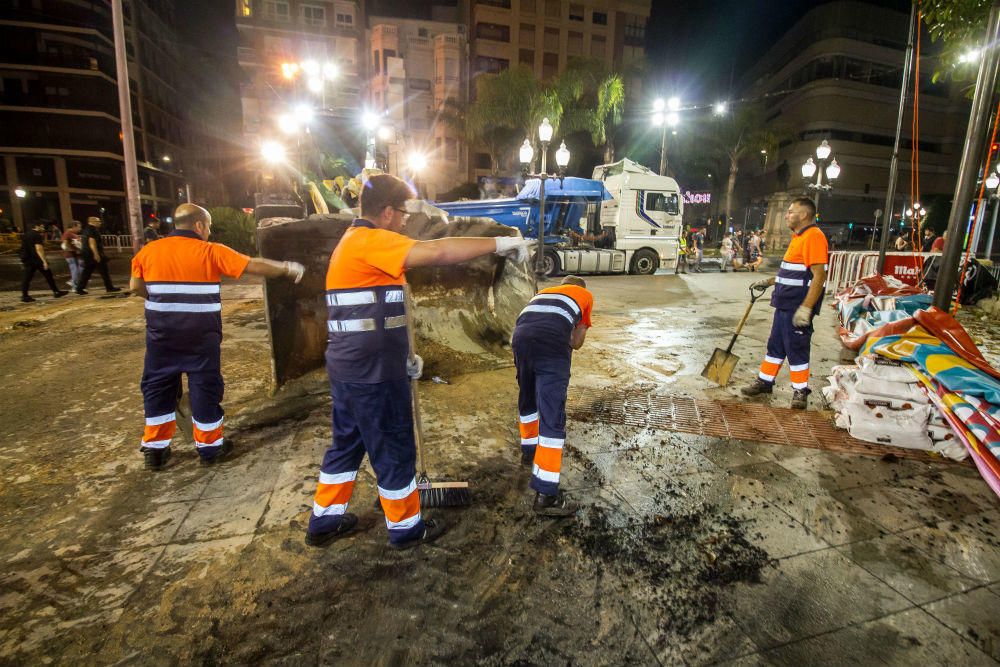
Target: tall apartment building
<point>545,34</point>
<point>418,68</point>
<point>840,65</point>
<point>273,33</point>
<point>60,131</point>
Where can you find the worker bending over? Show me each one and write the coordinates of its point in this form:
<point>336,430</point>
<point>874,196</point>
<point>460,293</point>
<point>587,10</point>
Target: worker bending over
<point>551,326</point>
<point>179,278</point>
<point>797,297</point>
<point>366,360</point>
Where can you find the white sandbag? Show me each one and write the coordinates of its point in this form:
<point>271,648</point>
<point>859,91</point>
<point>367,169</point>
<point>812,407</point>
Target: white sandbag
<point>885,369</point>
<point>939,433</point>
<point>875,401</point>
<point>888,427</point>
<point>952,449</point>
<point>876,386</point>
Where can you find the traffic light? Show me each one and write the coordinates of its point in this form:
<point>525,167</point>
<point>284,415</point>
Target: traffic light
<point>850,225</point>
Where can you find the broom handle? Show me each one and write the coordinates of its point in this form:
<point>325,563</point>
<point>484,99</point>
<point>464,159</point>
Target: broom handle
<point>418,429</point>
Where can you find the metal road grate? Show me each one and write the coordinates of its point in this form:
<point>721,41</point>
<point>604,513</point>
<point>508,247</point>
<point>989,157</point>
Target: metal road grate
<point>725,419</point>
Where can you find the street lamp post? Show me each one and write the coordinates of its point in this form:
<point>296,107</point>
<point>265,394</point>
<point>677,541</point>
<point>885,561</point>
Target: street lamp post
<point>665,115</point>
<point>526,153</point>
<point>810,168</point>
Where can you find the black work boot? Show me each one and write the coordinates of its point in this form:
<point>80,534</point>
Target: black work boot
<point>433,529</point>
<point>155,458</point>
<point>224,451</point>
<point>27,299</point>
<point>347,523</point>
<point>60,293</point>
<point>556,507</point>
<point>757,388</point>
<point>800,399</point>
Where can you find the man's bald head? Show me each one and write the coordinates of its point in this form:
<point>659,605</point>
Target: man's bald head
<point>186,215</point>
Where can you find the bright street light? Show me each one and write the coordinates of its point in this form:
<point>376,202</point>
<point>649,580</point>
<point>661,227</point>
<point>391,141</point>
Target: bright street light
<point>833,171</point>
<point>809,168</point>
<point>992,181</point>
<point>674,103</point>
<point>526,152</point>
<point>417,161</point>
<point>673,119</point>
<point>970,56</point>
<point>304,113</point>
<point>289,70</point>
<point>385,133</point>
<point>369,120</point>
<point>272,151</point>
<point>659,105</point>
<point>288,124</point>
<point>658,119</point>
<point>315,85</point>
<point>721,108</point>
<point>166,158</point>
<point>562,156</point>
<point>21,193</point>
<point>823,150</point>
<point>545,131</point>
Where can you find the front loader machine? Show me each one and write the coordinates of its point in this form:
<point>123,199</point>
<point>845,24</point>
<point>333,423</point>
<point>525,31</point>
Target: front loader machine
<point>464,313</point>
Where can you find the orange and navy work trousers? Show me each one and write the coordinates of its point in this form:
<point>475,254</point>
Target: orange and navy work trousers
<point>161,385</point>
<point>542,380</point>
<point>375,418</point>
<point>787,341</point>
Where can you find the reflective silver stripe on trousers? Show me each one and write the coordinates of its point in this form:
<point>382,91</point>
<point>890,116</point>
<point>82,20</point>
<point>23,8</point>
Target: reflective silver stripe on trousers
<point>789,281</point>
<point>341,326</point>
<point>395,321</point>
<point>350,298</point>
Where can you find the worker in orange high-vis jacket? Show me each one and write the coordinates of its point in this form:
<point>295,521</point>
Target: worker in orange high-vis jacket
<point>179,276</point>
<point>367,362</point>
<point>551,326</point>
<point>797,297</point>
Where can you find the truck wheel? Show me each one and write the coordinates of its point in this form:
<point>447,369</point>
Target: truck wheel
<point>644,263</point>
<point>551,266</point>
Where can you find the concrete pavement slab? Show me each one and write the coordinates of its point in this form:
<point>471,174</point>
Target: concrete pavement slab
<point>972,615</point>
<point>834,471</point>
<point>914,573</point>
<point>962,545</point>
<point>781,535</point>
<point>903,639</point>
<point>809,594</point>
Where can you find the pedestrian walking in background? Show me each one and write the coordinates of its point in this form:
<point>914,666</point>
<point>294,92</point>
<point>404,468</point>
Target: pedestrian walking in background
<point>901,243</point>
<point>928,241</point>
<point>796,300</point>
<point>179,278</point>
<point>152,231</point>
<point>726,250</point>
<point>697,249</point>
<point>33,259</point>
<point>71,252</point>
<point>682,252</point>
<point>94,257</point>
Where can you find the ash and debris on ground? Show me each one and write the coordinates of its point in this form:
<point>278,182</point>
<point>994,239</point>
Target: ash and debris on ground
<point>686,557</point>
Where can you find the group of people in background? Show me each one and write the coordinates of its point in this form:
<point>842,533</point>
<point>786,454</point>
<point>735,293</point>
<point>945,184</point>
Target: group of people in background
<point>82,248</point>
<point>744,252</point>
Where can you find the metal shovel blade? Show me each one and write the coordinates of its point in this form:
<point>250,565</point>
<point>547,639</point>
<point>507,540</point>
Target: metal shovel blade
<point>720,367</point>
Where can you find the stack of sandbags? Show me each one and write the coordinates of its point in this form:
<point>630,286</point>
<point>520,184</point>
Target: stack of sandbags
<point>879,400</point>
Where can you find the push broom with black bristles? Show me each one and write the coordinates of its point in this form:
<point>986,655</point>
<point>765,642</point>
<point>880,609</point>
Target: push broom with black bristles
<point>432,494</point>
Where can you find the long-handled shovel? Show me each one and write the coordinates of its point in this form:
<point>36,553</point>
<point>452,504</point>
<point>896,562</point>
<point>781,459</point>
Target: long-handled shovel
<point>720,367</point>
<point>432,494</point>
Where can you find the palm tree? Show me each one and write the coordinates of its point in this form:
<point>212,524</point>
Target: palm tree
<point>593,100</point>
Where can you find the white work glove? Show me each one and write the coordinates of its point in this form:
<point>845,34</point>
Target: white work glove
<point>803,316</point>
<point>295,271</point>
<point>761,284</point>
<point>514,247</point>
<point>415,367</point>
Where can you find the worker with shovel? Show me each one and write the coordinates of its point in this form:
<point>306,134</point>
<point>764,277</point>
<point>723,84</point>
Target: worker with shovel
<point>367,363</point>
<point>551,326</point>
<point>797,297</point>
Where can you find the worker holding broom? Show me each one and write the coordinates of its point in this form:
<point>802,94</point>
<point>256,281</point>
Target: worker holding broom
<point>551,326</point>
<point>797,297</point>
<point>370,365</point>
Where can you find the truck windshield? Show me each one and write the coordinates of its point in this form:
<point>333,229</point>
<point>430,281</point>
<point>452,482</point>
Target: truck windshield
<point>662,201</point>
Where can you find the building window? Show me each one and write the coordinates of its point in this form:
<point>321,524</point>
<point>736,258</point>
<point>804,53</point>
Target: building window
<point>275,10</point>
<point>313,15</point>
<point>493,31</point>
<point>375,61</point>
<point>553,8</point>
<point>551,41</point>
<point>491,65</point>
<point>574,45</point>
<point>450,150</point>
<point>483,161</point>
<point>528,6</point>
<point>599,18</point>
<point>420,84</point>
<point>526,57</point>
<point>597,45</point>
<point>550,65</point>
<point>246,9</point>
<point>526,35</point>
<point>422,32</point>
<point>635,30</point>
<point>575,12</point>
<point>345,20</point>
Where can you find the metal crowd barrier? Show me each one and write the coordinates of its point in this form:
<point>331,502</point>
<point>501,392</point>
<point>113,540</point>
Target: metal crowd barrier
<point>846,267</point>
<point>118,242</point>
